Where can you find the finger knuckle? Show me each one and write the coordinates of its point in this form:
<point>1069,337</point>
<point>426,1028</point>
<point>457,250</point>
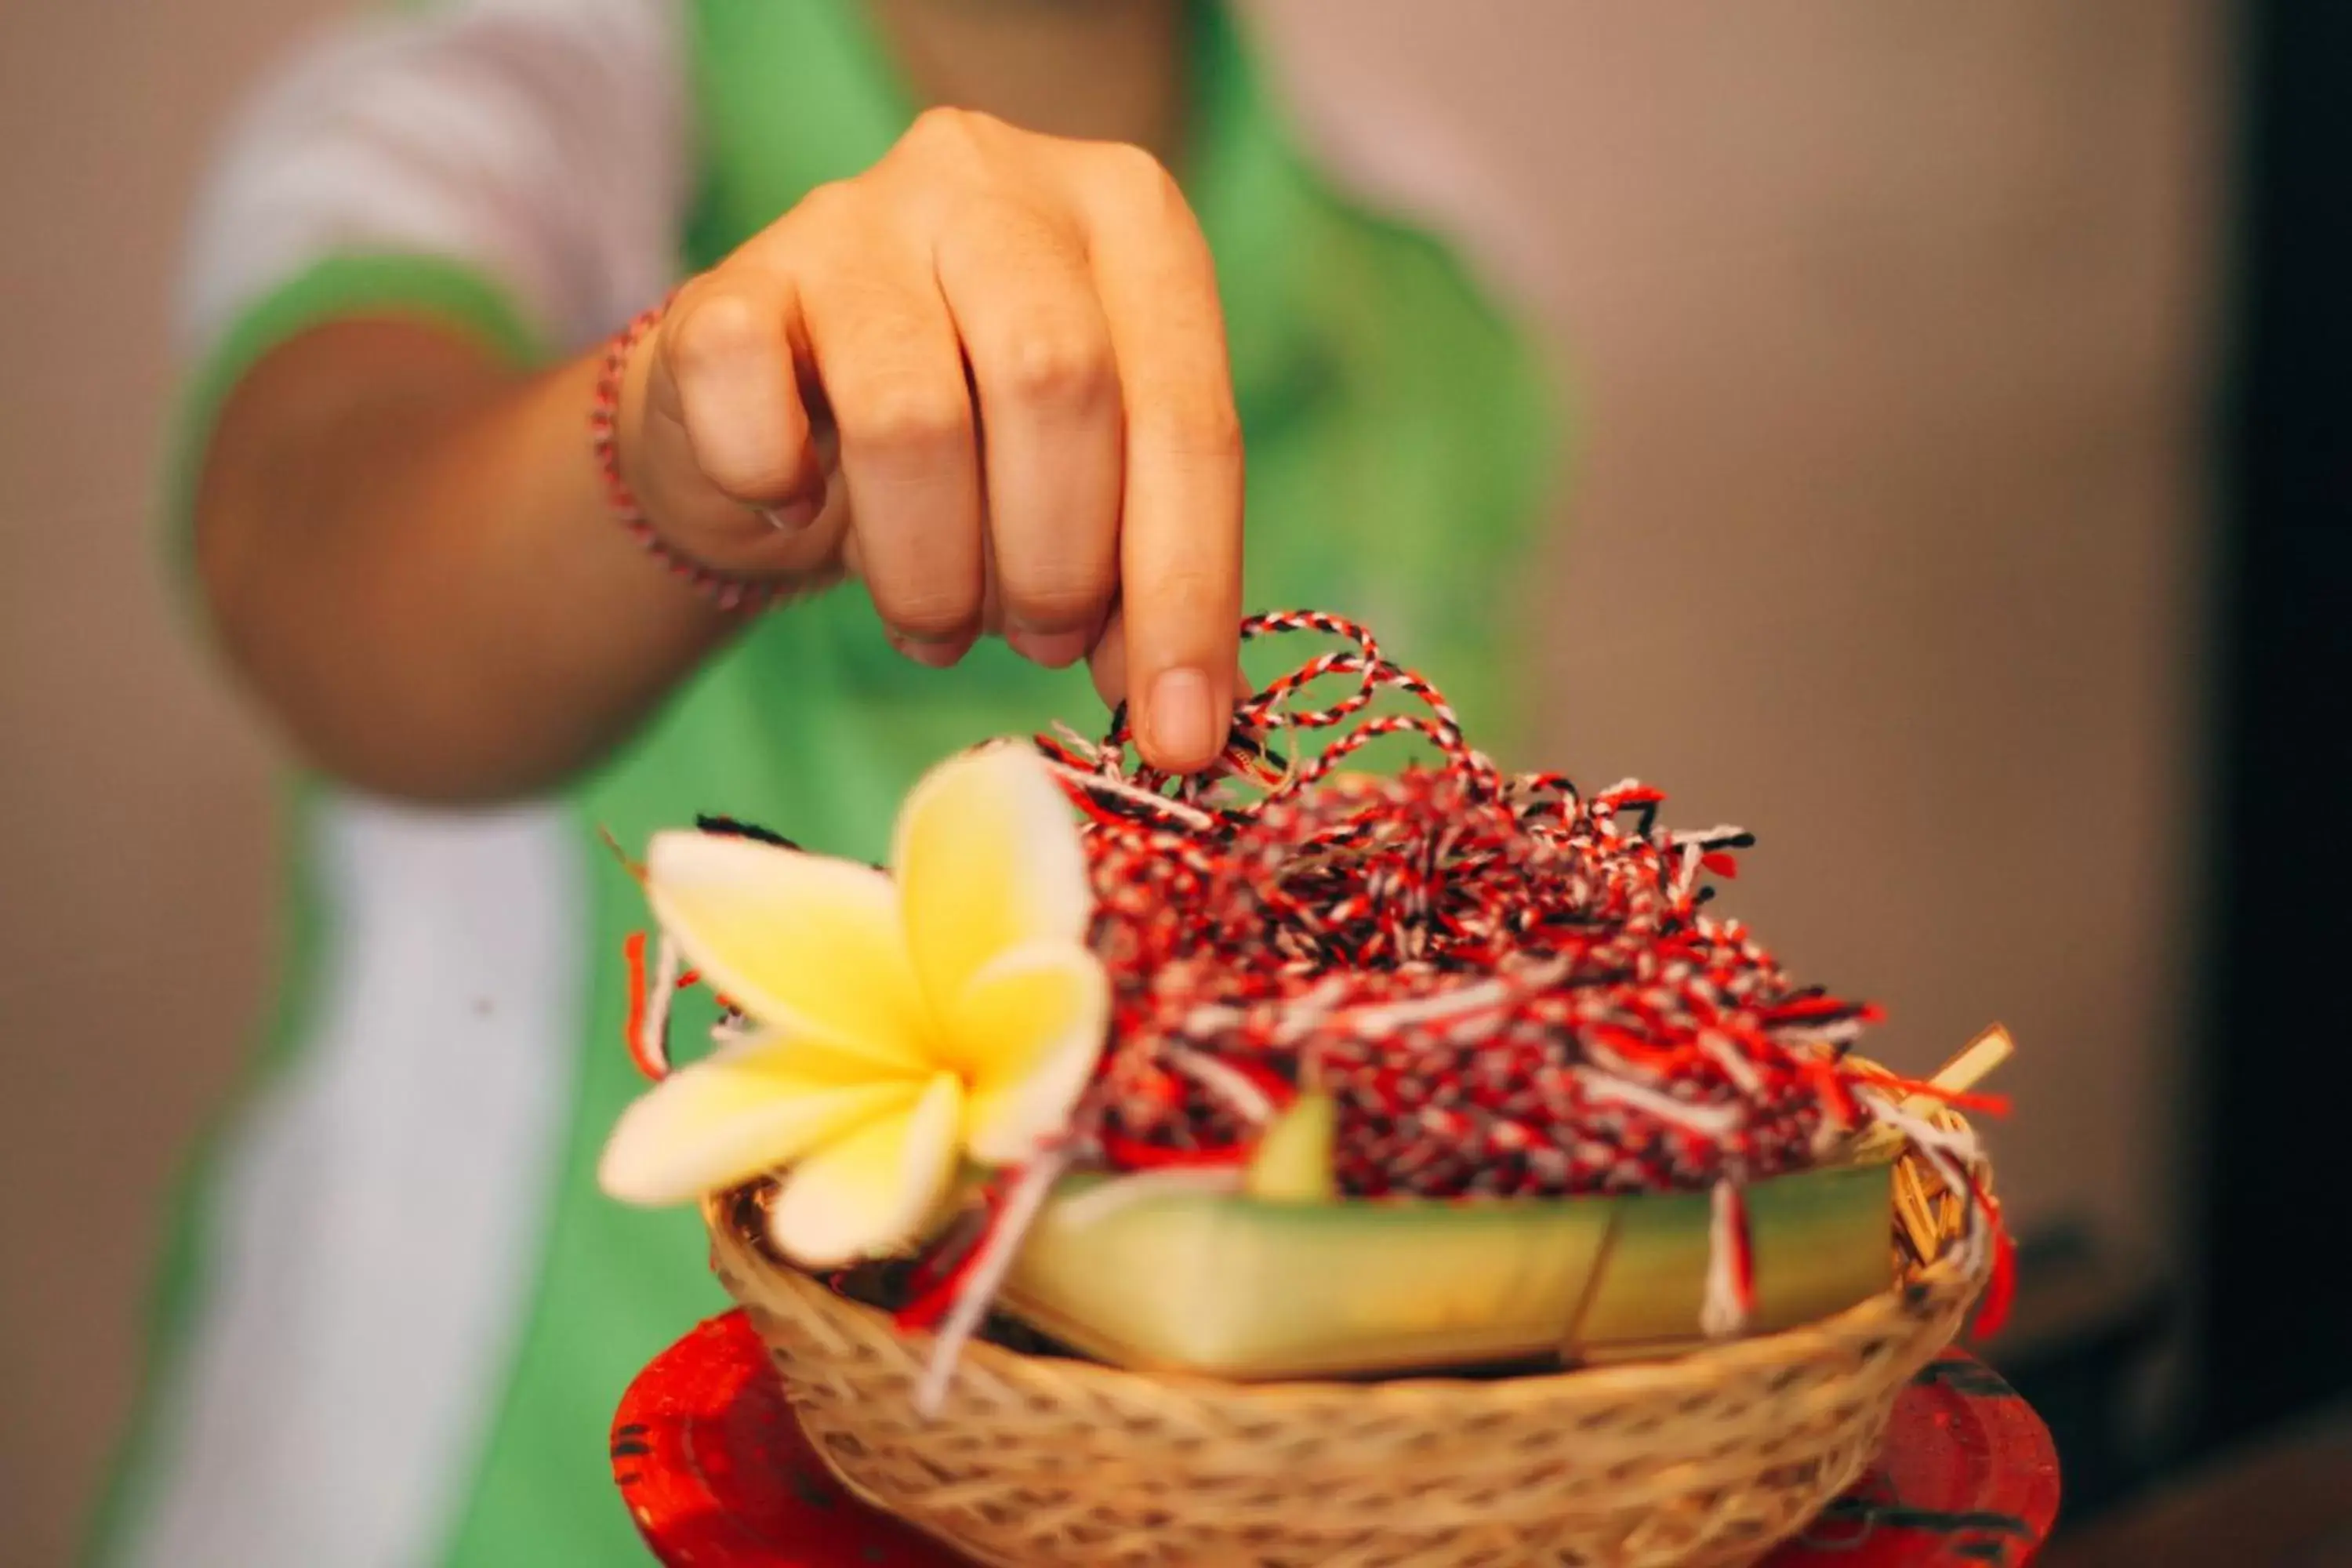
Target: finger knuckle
<point>828,204</point>
<point>1136,173</point>
<point>715,328</point>
<point>945,130</point>
<point>1197,577</point>
<point>1198,428</point>
<point>934,611</point>
<point>1188,592</point>
<point>1058,366</point>
<point>753,475</point>
<point>942,120</point>
<point>906,418</point>
<point>1058,601</point>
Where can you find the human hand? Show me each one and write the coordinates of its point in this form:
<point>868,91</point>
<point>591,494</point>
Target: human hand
<point>987,379</point>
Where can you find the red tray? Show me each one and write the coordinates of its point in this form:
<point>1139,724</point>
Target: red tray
<point>717,1475</point>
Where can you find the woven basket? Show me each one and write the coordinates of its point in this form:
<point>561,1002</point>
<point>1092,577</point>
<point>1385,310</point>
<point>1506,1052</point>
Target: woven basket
<point>1710,1458</point>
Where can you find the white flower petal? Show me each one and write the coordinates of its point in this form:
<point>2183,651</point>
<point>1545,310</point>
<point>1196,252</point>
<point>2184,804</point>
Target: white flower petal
<point>740,1112</point>
<point>801,943</point>
<point>988,859</point>
<point>1029,1029</point>
<point>871,1191</point>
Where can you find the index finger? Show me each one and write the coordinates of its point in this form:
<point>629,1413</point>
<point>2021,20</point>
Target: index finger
<point>1181,512</point>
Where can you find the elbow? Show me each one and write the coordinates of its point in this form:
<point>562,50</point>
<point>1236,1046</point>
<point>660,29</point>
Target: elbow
<point>425,737</point>
<point>418,772</point>
<point>364,712</point>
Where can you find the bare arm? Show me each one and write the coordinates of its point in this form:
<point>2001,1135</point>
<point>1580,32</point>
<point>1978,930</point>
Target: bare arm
<point>408,554</point>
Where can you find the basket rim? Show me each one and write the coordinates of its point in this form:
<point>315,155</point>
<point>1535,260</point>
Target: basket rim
<point>1921,1292</point>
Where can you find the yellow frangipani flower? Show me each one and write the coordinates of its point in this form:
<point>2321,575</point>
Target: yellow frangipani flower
<point>907,1022</point>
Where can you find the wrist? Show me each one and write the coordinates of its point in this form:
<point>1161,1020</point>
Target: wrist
<point>637,347</point>
<point>616,424</point>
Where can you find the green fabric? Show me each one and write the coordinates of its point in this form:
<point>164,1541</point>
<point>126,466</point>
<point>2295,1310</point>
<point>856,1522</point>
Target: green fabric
<point>180,1278</point>
<point>1397,437</point>
<point>335,287</point>
<point>1400,441</point>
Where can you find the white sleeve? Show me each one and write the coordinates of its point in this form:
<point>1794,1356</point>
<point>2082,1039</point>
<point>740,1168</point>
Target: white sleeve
<point>546,145</point>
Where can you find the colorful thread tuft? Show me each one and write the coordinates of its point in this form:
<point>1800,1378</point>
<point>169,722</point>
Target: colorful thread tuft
<point>1507,987</point>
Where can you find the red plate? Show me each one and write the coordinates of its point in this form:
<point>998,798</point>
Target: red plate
<point>717,1475</point>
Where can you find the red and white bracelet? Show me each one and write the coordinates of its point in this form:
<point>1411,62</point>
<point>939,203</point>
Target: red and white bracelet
<point>728,592</point>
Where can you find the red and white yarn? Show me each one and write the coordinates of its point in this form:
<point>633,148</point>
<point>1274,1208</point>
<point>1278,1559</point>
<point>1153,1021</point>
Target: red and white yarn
<point>1025,1199</point>
<point>1729,1296</point>
<point>650,1003</point>
<point>1507,987</point>
<point>652,1036</point>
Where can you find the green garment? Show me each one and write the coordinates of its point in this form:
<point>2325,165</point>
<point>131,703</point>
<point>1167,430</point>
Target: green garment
<point>1400,441</point>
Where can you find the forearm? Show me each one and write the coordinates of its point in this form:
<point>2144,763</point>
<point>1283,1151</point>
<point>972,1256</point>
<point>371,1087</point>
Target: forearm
<point>409,556</point>
<point>988,377</point>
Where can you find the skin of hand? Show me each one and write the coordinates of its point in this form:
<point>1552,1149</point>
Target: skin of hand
<point>988,380</point>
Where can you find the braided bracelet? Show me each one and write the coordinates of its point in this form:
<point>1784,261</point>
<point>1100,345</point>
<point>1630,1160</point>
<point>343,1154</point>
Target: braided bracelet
<point>730,593</point>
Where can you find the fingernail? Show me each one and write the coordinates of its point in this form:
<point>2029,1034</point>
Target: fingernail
<point>1055,650</point>
<point>1182,728</point>
<point>792,516</point>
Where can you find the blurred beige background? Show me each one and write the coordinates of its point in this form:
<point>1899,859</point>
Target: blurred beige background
<point>1889,328</point>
